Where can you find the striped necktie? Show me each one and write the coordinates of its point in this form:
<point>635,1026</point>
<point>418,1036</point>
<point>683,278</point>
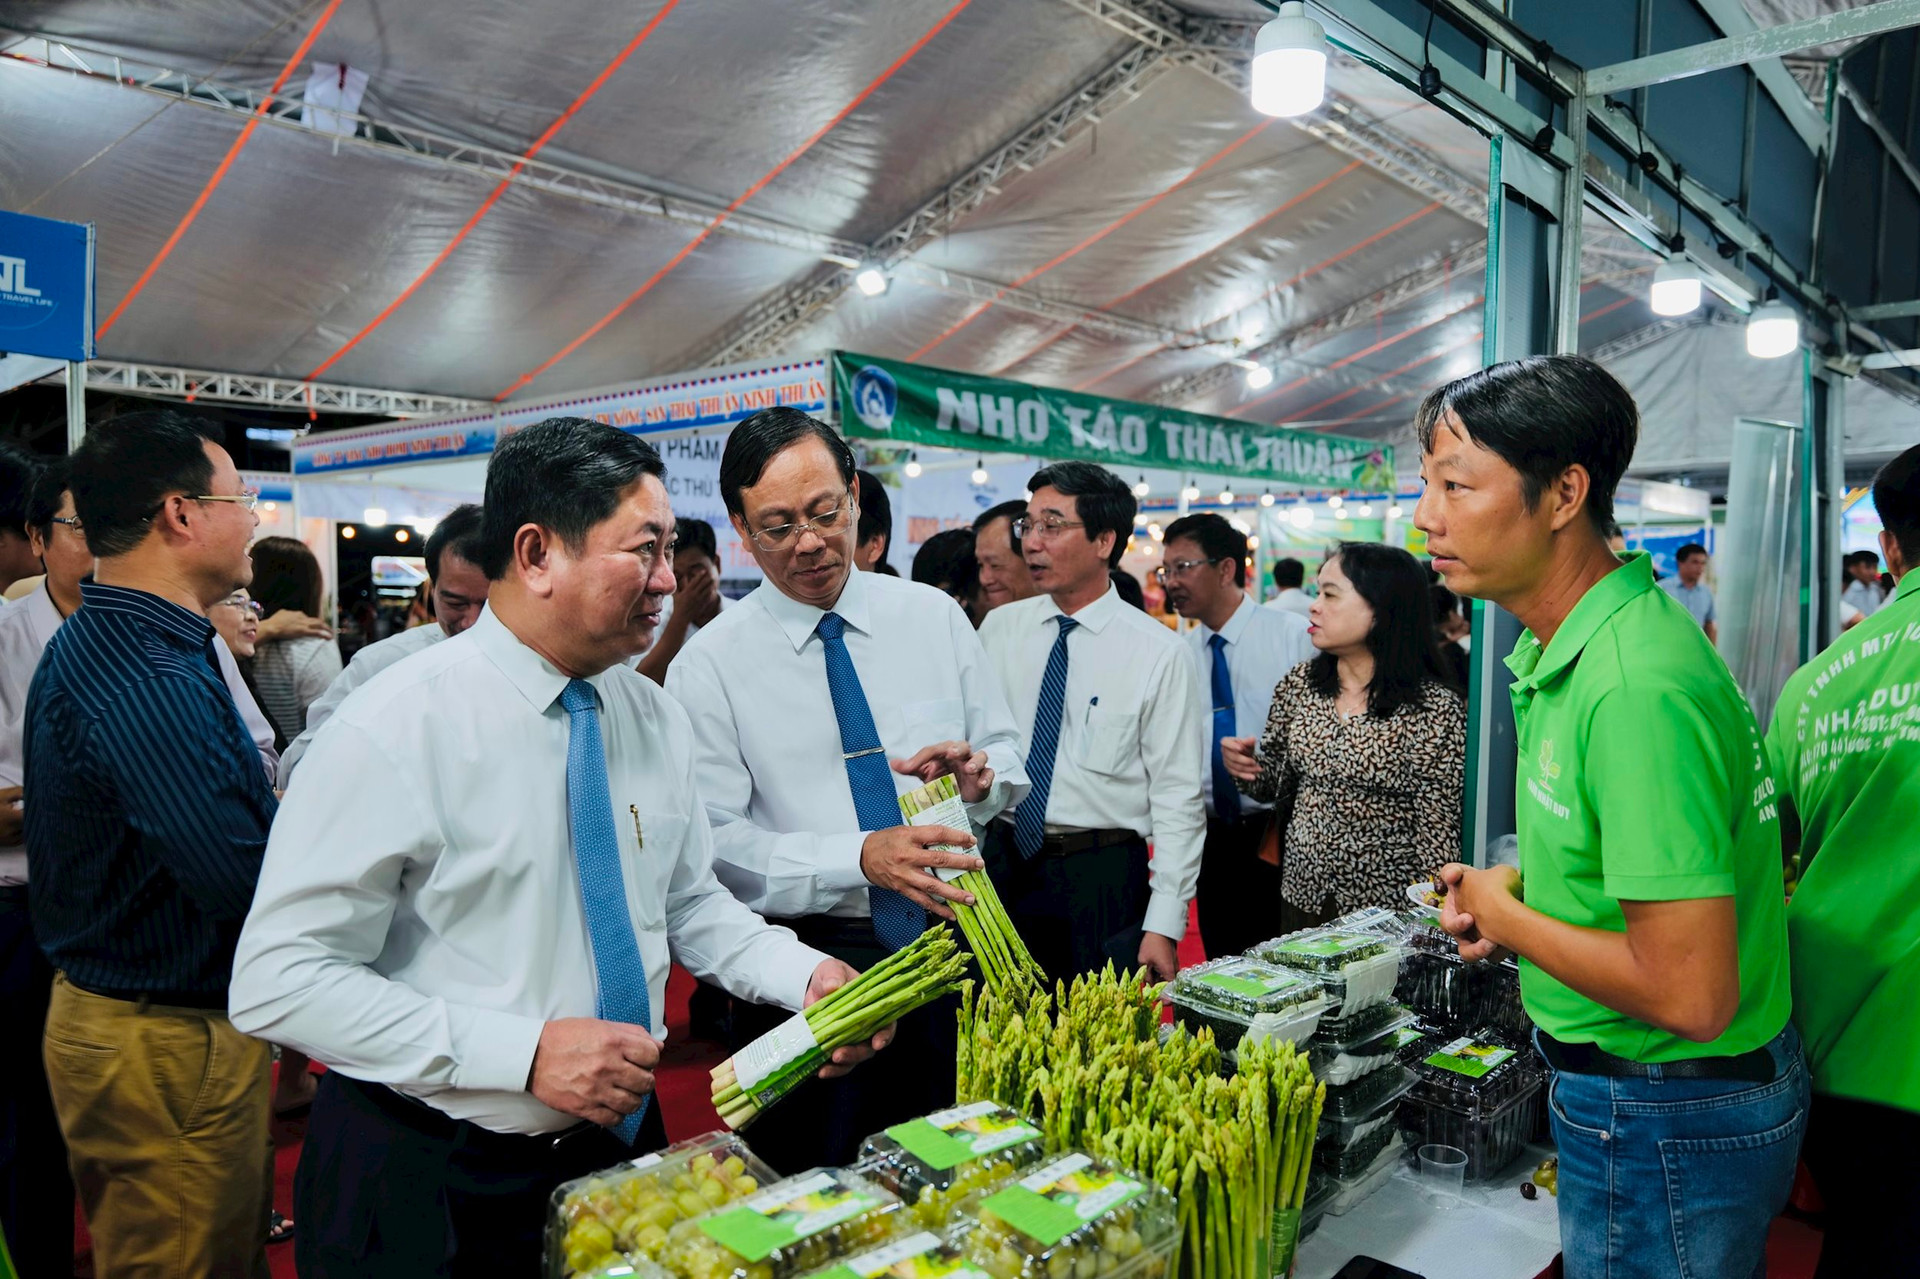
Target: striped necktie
<point>1030,819</point>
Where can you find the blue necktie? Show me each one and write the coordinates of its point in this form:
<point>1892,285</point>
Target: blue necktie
<point>621,974</point>
<point>1030,819</point>
<point>876,802</point>
<point>1226,795</point>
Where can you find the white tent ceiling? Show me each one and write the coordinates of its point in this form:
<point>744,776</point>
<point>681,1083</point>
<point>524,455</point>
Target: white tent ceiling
<point>1089,163</point>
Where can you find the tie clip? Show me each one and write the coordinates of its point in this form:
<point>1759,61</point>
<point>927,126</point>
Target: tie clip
<point>871,750</point>
<point>639,840</point>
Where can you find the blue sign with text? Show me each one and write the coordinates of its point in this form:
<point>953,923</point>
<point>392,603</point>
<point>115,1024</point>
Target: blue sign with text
<point>46,287</point>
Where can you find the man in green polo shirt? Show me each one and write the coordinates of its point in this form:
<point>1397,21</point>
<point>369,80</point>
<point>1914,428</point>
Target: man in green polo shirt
<point>1845,743</point>
<point>1650,930</point>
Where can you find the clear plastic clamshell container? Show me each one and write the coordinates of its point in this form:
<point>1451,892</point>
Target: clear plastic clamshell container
<point>1075,1217</point>
<point>623,1214</point>
<point>1357,1044</point>
<point>1350,1107</point>
<point>791,1227</point>
<point>1446,990</point>
<point>1358,966</point>
<point>941,1164</point>
<point>1477,1093</point>
<point>1362,1144</point>
<point>1343,1194</point>
<point>1238,996</point>
<point>924,1255</point>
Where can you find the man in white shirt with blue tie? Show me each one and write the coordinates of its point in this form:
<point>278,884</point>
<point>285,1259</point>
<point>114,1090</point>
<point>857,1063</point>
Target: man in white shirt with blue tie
<point>1116,742</point>
<point>816,702</point>
<point>470,900</point>
<point>1240,652</point>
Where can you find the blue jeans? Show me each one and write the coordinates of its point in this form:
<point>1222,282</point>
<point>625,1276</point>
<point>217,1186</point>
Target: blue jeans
<point>1676,1178</point>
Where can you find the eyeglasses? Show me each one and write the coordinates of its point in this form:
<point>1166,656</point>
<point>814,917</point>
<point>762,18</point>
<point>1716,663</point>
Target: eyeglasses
<point>71,521</point>
<point>825,525</point>
<point>1180,568</point>
<point>1024,527</point>
<point>245,501</point>
<point>252,606</point>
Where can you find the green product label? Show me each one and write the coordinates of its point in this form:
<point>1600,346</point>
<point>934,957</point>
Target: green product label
<point>1398,1039</point>
<point>915,1257</point>
<point>1331,944</point>
<point>786,1214</point>
<point>1061,1198</point>
<point>1281,1242</point>
<point>1250,987</point>
<point>951,1137</point>
<point>1466,1057</point>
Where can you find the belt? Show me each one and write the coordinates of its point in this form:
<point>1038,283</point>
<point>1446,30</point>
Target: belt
<point>1586,1059</point>
<point>430,1122</point>
<point>199,1001</point>
<point>1079,841</point>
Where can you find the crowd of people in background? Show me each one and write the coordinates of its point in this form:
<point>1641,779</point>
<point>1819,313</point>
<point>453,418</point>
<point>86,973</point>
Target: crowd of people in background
<point>490,1014</point>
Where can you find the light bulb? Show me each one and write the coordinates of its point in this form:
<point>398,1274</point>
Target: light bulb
<point>913,467</point>
<point>1191,493</point>
<point>269,506</point>
<point>980,475</point>
<point>1394,512</point>
<point>1289,72</point>
<point>401,534</point>
<point>1253,539</point>
<point>1301,517</point>
<point>1773,330</point>
<point>871,280</point>
<point>1259,377</point>
<point>1335,501</point>
<point>1266,499</point>
<point>1155,532</point>
<point>348,531</point>
<point>1676,288</point>
<point>1364,511</point>
<point>1142,488</point>
<point>1226,497</point>
<point>374,517</point>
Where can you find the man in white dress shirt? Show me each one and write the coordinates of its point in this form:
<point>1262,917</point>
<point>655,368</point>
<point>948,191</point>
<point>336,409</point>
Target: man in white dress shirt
<point>1288,576</point>
<point>470,903</point>
<point>18,470</point>
<point>1240,652</point>
<point>1115,742</point>
<point>459,592</point>
<point>800,697</point>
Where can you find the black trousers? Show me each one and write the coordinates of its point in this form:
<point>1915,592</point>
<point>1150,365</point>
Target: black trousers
<point>1239,895</point>
<point>1860,1155</point>
<point>823,1123</point>
<point>1077,911</point>
<point>36,1189</point>
<point>390,1188</point>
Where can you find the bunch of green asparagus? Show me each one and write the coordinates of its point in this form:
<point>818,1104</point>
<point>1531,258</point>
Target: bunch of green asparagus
<point>918,973</point>
<point>1088,1063</point>
<point>1006,967</point>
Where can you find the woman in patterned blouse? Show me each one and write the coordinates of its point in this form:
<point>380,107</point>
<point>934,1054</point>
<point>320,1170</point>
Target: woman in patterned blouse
<point>1365,746</point>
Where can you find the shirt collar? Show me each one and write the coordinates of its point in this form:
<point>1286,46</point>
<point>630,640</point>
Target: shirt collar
<point>1909,585</point>
<point>1236,625</point>
<point>1535,668</point>
<point>1094,616</point>
<point>797,619</point>
<point>42,614</point>
<point>539,681</point>
<point>182,624</point>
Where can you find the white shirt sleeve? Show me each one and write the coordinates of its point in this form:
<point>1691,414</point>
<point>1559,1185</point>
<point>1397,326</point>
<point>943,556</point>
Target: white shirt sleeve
<point>1174,749</point>
<point>990,724</point>
<point>318,668</point>
<point>251,716</point>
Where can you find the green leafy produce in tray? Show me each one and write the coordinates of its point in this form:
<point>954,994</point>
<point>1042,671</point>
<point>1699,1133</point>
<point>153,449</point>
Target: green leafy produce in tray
<point>1322,950</point>
<point>939,1164</point>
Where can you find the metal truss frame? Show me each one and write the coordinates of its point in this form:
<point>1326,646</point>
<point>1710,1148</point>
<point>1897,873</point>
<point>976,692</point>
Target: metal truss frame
<point>1751,46</point>
<point>278,393</point>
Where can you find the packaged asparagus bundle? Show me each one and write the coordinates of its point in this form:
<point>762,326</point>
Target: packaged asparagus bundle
<point>940,1164</point>
<point>782,1059</point>
<point>1005,965</point>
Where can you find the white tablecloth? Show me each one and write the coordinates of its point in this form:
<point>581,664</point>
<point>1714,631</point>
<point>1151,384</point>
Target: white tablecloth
<point>1491,1233</point>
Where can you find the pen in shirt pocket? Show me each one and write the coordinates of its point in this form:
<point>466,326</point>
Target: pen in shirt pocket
<point>639,840</point>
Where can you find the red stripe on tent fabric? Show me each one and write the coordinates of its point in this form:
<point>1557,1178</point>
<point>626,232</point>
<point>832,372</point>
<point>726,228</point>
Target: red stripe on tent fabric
<point>729,211</point>
<point>1097,236</point>
<point>486,205</point>
<point>1361,354</point>
<point>220,173</point>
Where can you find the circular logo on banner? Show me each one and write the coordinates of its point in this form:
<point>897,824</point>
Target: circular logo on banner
<point>875,397</point>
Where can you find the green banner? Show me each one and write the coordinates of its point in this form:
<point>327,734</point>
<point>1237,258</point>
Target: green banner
<point>914,404</point>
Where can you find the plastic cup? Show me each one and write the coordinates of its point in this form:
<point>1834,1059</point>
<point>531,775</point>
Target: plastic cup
<point>1443,1171</point>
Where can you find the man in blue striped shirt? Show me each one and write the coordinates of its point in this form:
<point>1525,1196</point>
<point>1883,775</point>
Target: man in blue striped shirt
<point>145,830</point>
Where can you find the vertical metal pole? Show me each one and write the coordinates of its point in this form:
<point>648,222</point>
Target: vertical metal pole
<point>76,404</point>
<point>1571,213</point>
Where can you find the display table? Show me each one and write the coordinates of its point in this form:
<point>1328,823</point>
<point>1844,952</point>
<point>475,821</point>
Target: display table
<point>1492,1233</point>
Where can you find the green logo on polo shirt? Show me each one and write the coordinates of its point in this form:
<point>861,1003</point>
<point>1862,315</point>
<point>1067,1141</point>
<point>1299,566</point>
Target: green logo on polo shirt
<point>1549,770</point>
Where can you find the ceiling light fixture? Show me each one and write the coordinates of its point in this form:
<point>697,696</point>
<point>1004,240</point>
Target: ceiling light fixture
<point>1259,377</point>
<point>980,475</point>
<point>374,517</point>
<point>1141,488</point>
<point>1288,76</point>
<point>1773,330</point>
<point>1226,497</point>
<point>1676,284</point>
<point>1266,499</point>
<point>871,280</point>
<point>913,468</point>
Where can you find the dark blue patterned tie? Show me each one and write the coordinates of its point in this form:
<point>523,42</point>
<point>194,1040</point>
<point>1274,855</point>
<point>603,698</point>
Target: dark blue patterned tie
<point>1226,795</point>
<point>876,802</point>
<point>1030,819</point>
<point>617,966</point>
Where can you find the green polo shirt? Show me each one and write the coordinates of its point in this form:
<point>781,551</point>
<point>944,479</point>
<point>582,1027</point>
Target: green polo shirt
<point>1642,777</point>
<point>1845,743</point>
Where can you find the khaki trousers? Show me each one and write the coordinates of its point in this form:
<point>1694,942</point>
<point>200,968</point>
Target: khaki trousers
<point>165,1112</point>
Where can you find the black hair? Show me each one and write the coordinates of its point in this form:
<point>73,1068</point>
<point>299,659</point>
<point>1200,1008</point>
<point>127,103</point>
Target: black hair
<point>1445,603</point>
<point>1541,415</point>
<point>763,436</point>
<point>1614,530</point>
<point>1690,549</point>
<point>697,536</point>
<point>1403,641</point>
<point>18,470</point>
<point>565,474</point>
<point>1008,511</point>
<point>1129,587</point>
<point>1102,500</point>
<point>125,468</point>
<point>1289,574</point>
<point>286,577</point>
<point>1217,540</point>
<point>1896,496</point>
<point>1870,558</point>
<point>876,513</point>
<point>946,560</point>
<point>43,503</point>
<point>459,532</point>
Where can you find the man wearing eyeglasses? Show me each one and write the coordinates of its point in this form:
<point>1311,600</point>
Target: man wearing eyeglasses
<point>146,819</point>
<point>1115,737</point>
<point>818,700</point>
<point>1240,652</point>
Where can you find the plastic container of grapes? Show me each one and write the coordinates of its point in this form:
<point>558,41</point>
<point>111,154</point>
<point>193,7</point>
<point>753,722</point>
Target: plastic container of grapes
<point>941,1165</point>
<point>1349,1192</point>
<point>921,1253</point>
<point>1239,996</point>
<point>1450,992</point>
<point>1477,1093</point>
<point>1116,1225</point>
<point>1358,966</point>
<point>638,1202</point>
<point>1358,1144</point>
<point>1357,1044</point>
<point>1352,1105</point>
<point>794,1226</point>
